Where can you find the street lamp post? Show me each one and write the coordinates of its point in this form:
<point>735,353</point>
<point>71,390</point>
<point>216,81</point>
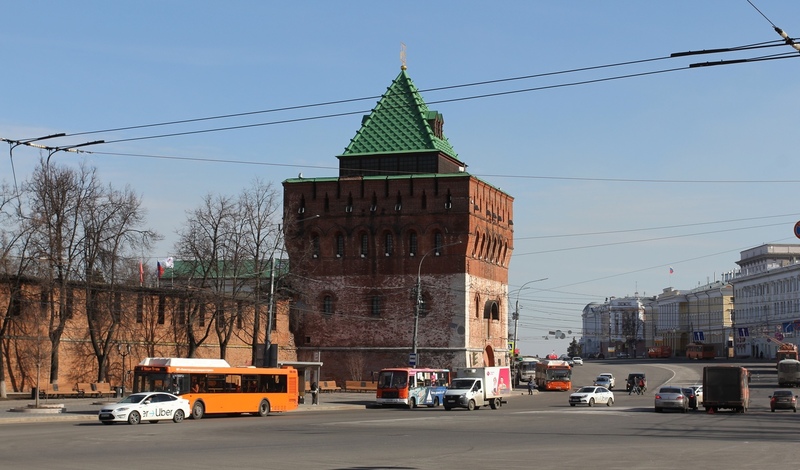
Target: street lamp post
<point>123,351</point>
<point>419,295</point>
<point>516,312</point>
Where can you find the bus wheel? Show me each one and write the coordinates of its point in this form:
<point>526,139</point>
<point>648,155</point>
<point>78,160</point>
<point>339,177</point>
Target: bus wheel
<point>435,403</point>
<point>263,408</point>
<point>412,403</point>
<point>471,405</point>
<point>198,410</point>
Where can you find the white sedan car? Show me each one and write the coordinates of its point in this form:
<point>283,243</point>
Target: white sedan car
<point>150,406</point>
<point>577,361</point>
<point>590,395</point>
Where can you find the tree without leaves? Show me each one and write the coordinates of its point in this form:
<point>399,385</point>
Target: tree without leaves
<point>228,244</point>
<point>82,231</point>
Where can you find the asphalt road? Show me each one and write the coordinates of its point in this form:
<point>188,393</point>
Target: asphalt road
<point>540,431</point>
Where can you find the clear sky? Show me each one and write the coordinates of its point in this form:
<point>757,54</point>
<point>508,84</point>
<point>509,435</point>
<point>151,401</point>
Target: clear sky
<point>615,181</point>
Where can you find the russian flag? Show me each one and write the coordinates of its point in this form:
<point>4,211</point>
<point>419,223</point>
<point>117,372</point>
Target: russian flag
<point>670,270</point>
<point>160,269</point>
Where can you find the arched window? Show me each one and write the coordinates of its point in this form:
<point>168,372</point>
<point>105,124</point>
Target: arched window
<point>438,241</point>
<point>376,305</point>
<point>364,245</point>
<point>327,305</point>
<point>315,246</point>
<point>412,243</point>
<point>388,244</point>
<point>339,245</point>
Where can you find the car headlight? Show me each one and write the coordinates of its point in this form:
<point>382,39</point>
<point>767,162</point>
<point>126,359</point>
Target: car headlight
<point>124,408</point>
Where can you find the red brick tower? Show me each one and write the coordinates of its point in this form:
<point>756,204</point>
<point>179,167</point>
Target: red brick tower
<point>403,211</point>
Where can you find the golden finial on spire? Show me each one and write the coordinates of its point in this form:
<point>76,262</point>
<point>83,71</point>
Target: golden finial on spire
<point>403,56</point>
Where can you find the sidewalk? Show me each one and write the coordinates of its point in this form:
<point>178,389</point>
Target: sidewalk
<point>86,409</point>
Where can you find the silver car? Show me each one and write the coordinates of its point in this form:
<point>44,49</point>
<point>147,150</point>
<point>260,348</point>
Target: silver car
<point>671,397</point>
<point>603,381</point>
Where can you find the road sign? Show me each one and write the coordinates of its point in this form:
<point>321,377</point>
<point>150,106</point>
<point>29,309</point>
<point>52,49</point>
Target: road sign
<point>412,360</point>
<point>797,229</point>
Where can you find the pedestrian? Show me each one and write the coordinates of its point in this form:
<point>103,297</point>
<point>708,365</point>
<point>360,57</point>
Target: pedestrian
<point>530,387</point>
<point>641,385</point>
<point>314,393</point>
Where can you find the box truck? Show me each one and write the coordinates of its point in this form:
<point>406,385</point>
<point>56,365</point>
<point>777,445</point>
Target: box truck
<point>478,386</point>
<point>726,387</point>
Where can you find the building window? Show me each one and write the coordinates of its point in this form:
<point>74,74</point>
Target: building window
<point>376,306</point>
<point>339,245</point>
<point>388,244</point>
<point>438,241</point>
<point>161,309</point>
<point>315,246</point>
<point>140,309</point>
<point>412,243</point>
<point>364,245</point>
<point>327,305</point>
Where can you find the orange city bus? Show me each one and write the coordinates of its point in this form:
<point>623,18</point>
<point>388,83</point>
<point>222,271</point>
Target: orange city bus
<point>700,351</point>
<point>412,387</point>
<point>213,386</point>
<point>553,375</point>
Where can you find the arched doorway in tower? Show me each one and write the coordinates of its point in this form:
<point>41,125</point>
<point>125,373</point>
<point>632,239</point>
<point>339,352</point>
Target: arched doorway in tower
<point>488,356</point>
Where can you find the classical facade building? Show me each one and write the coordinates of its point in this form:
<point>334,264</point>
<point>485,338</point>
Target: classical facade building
<point>403,251</point>
<point>767,294</point>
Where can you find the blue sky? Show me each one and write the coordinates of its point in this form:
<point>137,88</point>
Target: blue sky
<point>614,181</point>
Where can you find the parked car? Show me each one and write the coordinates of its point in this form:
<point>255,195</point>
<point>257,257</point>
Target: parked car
<point>622,355</point>
<point>611,379</point>
<point>152,407</point>
<point>690,394</point>
<point>603,381</point>
<point>671,397</point>
<point>590,395</point>
<point>577,361</point>
<point>783,400</point>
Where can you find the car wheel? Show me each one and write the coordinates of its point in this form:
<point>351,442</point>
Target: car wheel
<point>471,405</point>
<point>658,410</point>
<point>178,416</point>
<point>591,402</point>
<point>572,404</point>
<point>772,409</point>
<point>134,418</point>
<point>610,402</point>
<point>198,410</point>
<point>263,408</point>
<point>794,409</point>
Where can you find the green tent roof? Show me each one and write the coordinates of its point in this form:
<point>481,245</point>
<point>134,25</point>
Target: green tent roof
<point>399,123</point>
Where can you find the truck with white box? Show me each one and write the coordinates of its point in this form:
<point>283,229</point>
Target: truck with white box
<point>478,386</point>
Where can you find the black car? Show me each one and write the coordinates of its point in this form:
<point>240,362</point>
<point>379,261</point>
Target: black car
<point>690,394</point>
